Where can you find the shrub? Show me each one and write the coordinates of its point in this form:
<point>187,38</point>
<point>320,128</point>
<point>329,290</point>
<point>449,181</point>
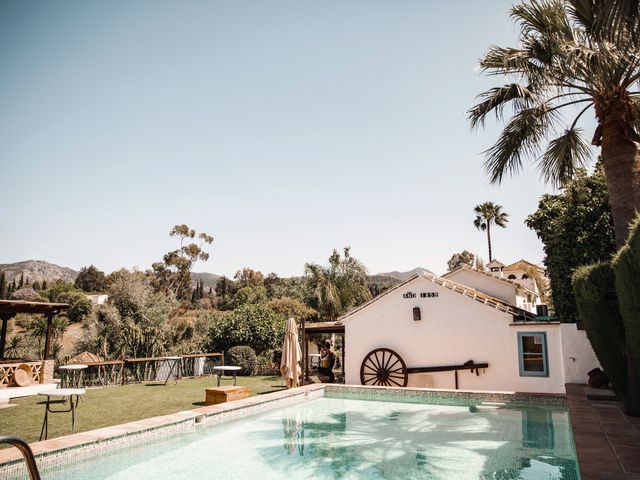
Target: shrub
<point>626,265</point>
<point>256,326</point>
<point>243,357</point>
<point>597,303</point>
<point>28,294</point>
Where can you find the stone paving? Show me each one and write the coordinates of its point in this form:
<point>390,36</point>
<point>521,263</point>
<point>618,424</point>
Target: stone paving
<point>607,441</point>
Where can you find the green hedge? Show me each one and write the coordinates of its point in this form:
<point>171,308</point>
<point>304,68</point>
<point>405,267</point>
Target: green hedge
<point>595,291</point>
<point>243,357</point>
<point>626,265</point>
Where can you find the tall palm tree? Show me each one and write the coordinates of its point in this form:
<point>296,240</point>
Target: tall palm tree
<point>573,56</point>
<point>489,213</point>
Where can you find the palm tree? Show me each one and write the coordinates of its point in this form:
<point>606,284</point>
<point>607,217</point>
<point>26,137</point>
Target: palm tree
<point>488,213</point>
<point>573,56</point>
<point>339,286</point>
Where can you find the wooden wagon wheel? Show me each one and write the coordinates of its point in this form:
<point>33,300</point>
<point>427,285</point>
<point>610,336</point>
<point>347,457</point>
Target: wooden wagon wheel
<point>385,367</point>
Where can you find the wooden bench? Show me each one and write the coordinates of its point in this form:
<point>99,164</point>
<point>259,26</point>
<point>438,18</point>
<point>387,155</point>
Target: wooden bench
<point>227,393</point>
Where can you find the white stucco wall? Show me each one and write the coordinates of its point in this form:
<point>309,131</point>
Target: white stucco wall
<point>485,284</point>
<point>577,354</point>
<point>453,329</point>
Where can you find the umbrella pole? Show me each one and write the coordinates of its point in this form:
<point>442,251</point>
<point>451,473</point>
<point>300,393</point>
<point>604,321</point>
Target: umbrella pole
<point>305,372</point>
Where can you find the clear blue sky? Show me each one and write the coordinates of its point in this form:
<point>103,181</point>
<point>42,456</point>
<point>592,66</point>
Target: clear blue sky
<point>283,128</point>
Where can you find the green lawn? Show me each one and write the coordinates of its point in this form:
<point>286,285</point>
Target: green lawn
<point>103,407</point>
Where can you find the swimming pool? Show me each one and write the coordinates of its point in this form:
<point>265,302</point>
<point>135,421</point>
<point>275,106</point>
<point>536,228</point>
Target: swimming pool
<point>339,436</point>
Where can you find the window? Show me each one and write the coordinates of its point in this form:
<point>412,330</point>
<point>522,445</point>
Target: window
<point>512,277</point>
<point>532,350</point>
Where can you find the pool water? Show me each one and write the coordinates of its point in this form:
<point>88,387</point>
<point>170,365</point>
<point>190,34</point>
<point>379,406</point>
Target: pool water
<point>332,438</point>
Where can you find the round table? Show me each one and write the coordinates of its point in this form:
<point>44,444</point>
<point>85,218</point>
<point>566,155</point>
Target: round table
<point>61,395</point>
<point>72,375</point>
<point>221,369</point>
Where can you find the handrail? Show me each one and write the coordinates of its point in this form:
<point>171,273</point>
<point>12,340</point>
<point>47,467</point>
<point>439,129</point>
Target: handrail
<point>25,449</point>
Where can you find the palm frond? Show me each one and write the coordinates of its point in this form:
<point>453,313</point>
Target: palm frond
<point>520,138</point>
<point>564,156</point>
<point>542,18</point>
<point>495,99</point>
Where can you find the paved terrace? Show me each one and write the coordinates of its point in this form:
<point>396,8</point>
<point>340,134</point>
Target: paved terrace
<point>607,441</point>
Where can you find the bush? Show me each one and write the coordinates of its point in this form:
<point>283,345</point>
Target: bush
<point>243,357</point>
<point>626,265</point>
<point>256,326</point>
<point>597,303</point>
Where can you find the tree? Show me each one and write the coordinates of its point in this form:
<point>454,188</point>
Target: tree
<point>292,308</point>
<point>79,305</point>
<point>572,53</point>
<point>173,274</point>
<point>249,278</point>
<point>90,279</point>
<point>256,326</point>
<point>44,285</point>
<point>339,286</point>
<point>58,288</point>
<point>463,258</point>
<point>21,284</point>
<point>3,286</point>
<point>576,229</point>
<point>489,213</point>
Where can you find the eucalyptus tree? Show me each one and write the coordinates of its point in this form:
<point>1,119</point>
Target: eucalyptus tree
<point>487,214</point>
<point>573,57</point>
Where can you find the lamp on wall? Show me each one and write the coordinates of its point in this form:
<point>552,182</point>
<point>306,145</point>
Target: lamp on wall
<point>416,314</point>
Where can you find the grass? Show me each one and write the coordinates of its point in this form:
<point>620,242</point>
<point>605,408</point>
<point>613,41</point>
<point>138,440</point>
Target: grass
<point>103,407</point>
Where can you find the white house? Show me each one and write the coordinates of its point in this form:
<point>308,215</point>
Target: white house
<point>505,289</point>
<point>432,321</point>
<point>98,299</point>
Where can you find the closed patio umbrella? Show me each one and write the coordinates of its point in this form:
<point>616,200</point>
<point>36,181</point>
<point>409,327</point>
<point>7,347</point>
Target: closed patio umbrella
<point>291,355</point>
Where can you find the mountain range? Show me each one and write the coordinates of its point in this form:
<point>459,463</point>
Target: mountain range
<point>39,270</point>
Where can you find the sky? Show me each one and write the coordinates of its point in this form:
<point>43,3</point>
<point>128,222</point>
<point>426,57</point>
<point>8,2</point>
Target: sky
<point>285,129</point>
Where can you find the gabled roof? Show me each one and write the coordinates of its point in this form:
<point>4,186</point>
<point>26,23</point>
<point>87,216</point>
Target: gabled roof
<point>495,262</point>
<point>515,265</point>
<point>490,275</point>
<point>483,298</point>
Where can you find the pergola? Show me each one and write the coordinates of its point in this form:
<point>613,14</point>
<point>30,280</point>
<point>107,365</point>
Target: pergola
<point>319,327</point>
<point>10,308</point>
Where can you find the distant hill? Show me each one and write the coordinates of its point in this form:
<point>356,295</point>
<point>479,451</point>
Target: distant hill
<point>37,271</point>
<point>208,279</point>
<point>402,276</point>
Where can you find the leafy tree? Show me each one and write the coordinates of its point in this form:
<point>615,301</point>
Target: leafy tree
<point>576,229</point>
<point>250,294</point>
<point>489,213</point>
<point>249,278</point>
<point>292,308</point>
<point>58,288</point>
<point>173,274</point>
<point>571,53</point>
<point>90,279</point>
<point>36,285</point>
<point>103,332</point>
<point>463,258</point>
<point>339,286</point>
<point>79,305</point>
<point>293,287</point>
<point>225,293</point>
<point>256,326</point>
<point>3,286</point>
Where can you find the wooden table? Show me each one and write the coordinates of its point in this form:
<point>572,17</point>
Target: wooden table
<point>219,371</point>
<point>61,394</point>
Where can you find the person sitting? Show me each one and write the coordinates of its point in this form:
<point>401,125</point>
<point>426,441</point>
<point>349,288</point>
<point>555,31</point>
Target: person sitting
<point>327,361</point>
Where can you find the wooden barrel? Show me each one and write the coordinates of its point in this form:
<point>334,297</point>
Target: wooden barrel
<point>22,377</point>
